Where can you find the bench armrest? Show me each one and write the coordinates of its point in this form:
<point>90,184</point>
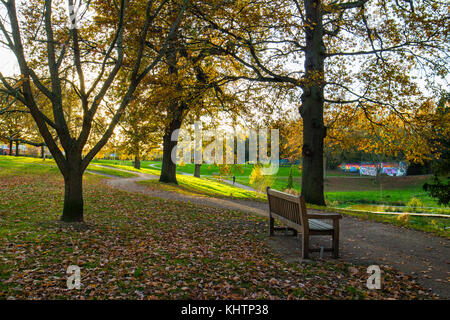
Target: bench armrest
<point>324,216</point>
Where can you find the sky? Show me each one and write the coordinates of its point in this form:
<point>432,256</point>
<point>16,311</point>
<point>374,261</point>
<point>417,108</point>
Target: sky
<point>8,63</point>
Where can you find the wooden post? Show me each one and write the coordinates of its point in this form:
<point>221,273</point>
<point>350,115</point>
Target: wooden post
<point>305,244</point>
<point>335,238</point>
<point>271,220</point>
<point>271,226</point>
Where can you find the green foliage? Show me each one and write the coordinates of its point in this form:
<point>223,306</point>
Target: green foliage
<point>259,181</point>
<point>439,190</point>
<point>403,218</point>
<point>414,203</point>
<point>332,204</point>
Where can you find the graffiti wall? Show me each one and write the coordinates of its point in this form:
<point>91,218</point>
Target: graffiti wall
<point>394,169</point>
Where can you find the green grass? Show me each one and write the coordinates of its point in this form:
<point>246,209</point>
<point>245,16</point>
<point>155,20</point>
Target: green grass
<point>111,172</point>
<point>399,197</point>
<point>238,170</point>
<point>134,246</point>
<point>435,225</point>
<point>243,170</point>
<point>37,165</point>
<point>188,184</point>
<point>201,186</point>
<point>128,167</point>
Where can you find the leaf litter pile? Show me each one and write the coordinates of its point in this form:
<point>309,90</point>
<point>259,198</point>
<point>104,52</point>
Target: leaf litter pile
<point>137,247</point>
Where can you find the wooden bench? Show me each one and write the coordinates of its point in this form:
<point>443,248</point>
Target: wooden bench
<point>291,211</point>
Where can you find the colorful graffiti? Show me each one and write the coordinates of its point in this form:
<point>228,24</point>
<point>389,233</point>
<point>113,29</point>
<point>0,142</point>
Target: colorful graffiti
<point>349,167</point>
<point>368,170</point>
<point>394,169</point>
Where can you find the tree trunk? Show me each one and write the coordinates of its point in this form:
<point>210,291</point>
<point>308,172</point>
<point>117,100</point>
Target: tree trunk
<point>73,197</point>
<point>175,114</point>
<point>197,170</point>
<point>311,110</point>
<point>17,148</point>
<point>137,162</point>
<point>10,147</point>
<point>169,167</point>
<point>43,152</point>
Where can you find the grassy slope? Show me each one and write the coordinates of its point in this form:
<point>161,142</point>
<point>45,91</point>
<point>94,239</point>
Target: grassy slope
<point>139,247</point>
<point>24,162</point>
<point>205,187</point>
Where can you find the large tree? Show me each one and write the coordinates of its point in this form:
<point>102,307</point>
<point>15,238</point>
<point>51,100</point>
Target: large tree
<point>88,55</point>
<point>365,52</point>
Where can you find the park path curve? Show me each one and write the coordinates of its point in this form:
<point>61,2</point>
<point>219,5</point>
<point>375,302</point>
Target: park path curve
<point>421,255</point>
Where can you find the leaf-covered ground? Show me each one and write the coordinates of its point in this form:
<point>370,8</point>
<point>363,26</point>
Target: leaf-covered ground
<point>136,247</point>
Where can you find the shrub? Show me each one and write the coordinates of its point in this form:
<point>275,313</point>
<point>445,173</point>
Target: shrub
<point>403,218</point>
<point>333,204</point>
<point>439,190</point>
<point>259,181</point>
<point>414,203</point>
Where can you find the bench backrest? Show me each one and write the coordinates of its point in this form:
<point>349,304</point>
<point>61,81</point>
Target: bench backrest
<point>288,206</point>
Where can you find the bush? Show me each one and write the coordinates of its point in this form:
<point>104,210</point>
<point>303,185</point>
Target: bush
<point>403,218</point>
<point>414,203</point>
<point>332,204</point>
<point>438,190</point>
<point>259,181</point>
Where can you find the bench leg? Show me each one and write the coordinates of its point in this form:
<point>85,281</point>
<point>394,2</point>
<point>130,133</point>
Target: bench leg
<point>305,245</point>
<point>336,239</point>
<point>271,226</point>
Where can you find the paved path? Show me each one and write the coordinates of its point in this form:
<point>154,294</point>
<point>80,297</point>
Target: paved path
<point>364,242</point>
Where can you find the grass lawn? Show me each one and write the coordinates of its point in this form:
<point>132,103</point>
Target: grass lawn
<point>111,172</point>
<point>204,187</point>
<point>23,163</point>
<point>136,247</point>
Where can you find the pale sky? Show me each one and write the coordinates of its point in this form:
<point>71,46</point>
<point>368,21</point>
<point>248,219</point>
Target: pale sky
<point>8,63</point>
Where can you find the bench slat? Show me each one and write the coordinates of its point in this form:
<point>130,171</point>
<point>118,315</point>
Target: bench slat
<point>319,225</point>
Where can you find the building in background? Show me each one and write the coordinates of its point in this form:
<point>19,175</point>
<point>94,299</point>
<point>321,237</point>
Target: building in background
<point>24,150</point>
